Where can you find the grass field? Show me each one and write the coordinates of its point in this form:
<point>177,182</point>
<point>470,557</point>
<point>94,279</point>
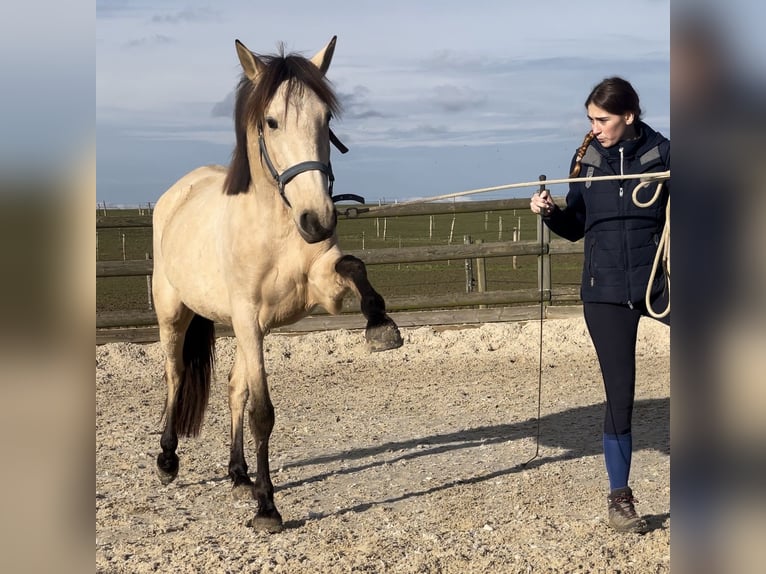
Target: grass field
<point>442,277</point>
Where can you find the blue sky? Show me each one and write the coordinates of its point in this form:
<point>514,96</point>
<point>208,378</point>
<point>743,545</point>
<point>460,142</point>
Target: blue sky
<point>438,97</point>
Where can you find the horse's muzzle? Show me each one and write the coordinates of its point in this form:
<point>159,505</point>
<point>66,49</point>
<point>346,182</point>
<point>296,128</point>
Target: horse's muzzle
<point>312,230</point>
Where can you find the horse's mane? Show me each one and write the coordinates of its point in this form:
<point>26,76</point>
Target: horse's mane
<point>252,99</point>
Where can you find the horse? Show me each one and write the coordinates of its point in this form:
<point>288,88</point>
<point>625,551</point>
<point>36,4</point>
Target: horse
<point>254,245</point>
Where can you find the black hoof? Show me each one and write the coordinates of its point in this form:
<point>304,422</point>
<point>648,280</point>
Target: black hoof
<point>243,492</point>
<point>383,336</point>
<point>267,523</point>
<point>167,467</point>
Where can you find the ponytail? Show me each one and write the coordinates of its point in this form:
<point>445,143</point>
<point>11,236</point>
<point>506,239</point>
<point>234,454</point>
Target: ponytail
<point>581,153</point>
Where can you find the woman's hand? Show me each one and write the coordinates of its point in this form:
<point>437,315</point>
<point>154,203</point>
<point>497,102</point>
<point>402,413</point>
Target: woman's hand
<point>542,203</point>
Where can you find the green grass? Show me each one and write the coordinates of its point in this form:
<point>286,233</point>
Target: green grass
<point>391,280</point>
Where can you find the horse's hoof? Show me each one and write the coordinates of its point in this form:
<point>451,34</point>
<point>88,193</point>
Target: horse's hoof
<point>167,468</point>
<point>383,337</point>
<point>166,477</point>
<point>271,524</point>
<point>243,492</point>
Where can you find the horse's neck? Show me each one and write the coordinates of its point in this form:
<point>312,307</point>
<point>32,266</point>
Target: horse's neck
<point>261,211</point>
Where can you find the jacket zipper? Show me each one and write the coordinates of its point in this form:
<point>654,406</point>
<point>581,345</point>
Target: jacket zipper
<point>622,164</point>
<point>622,223</point>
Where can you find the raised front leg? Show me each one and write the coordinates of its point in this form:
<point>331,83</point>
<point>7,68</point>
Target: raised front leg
<point>381,333</point>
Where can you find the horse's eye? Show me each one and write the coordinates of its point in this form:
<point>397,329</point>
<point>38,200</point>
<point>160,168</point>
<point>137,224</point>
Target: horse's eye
<point>272,123</point>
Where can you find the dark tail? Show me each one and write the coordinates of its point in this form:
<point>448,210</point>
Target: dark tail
<point>193,394</point>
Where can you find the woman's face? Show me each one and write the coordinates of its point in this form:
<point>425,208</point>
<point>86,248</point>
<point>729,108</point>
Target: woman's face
<point>609,129</point>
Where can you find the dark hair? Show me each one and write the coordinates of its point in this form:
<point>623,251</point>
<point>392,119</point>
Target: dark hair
<point>252,100</point>
<point>616,96</point>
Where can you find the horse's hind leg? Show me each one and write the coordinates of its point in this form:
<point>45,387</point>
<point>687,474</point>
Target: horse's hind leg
<point>381,333</point>
<point>172,342</point>
<point>189,344</point>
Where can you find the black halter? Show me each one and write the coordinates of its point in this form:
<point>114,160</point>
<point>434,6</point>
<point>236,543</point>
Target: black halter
<point>286,176</point>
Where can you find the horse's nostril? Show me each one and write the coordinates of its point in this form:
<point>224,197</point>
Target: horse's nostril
<point>309,222</point>
<point>312,229</point>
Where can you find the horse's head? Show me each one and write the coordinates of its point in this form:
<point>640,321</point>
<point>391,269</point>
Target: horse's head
<point>283,109</point>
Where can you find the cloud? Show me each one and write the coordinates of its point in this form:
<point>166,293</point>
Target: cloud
<point>202,14</point>
<point>224,108</point>
<point>113,8</point>
<point>452,98</point>
<point>356,104</point>
<point>154,40</point>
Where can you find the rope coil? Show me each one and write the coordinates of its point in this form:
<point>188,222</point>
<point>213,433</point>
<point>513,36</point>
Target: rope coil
<point>663,249</point>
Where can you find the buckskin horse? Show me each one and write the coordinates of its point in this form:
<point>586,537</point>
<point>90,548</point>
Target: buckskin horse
<point>254,246</point>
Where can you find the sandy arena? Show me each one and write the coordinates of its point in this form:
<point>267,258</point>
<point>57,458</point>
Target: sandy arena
<point>405,461</point>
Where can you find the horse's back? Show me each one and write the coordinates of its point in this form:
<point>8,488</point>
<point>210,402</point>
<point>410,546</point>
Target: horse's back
<point>196,181</point>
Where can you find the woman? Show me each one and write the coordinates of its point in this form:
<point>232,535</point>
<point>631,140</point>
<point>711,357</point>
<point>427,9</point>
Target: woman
<point>620,244</point>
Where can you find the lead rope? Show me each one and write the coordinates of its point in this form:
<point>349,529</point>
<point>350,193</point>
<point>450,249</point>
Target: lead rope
<point>540,358</point>
<point>663,249</point>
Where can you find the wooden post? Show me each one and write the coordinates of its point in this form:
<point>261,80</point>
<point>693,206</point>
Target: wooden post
<point>362,240</point>
<point>469,280</point>
<point>451,230</point>
<point>486,220</point>
<point>385,227</point>
<point>481,274</point>
<point>500,228</point>
<point>149,286</point>
<point>515,239</point>
<point>430,227</point>
<point>123,247</point>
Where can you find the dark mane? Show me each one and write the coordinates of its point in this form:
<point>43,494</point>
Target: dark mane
<point>252,99</point>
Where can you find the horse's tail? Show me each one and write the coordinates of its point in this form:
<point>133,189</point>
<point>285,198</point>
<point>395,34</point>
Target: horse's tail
<point>194,391</point>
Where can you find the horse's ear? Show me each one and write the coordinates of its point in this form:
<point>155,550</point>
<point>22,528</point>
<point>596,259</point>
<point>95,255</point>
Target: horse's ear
<point>323,57</point>
<point>250,62</point>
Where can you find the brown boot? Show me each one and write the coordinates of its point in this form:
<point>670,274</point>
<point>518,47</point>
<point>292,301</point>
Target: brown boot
<point>622,514</point>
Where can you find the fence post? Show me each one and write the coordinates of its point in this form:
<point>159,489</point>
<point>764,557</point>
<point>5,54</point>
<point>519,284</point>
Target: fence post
<point>469,279</point>
<point>149,287</point>
<point>544,259</point>
<point>481,274</point>
<point>515,239</point>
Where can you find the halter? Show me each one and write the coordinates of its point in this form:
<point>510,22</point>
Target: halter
<point>286,176</point>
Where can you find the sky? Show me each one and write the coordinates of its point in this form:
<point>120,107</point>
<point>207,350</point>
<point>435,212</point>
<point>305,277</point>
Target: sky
<point>437,97</point>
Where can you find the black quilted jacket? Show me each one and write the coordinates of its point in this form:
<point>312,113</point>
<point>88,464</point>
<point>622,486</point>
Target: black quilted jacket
<point>620,238</point>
